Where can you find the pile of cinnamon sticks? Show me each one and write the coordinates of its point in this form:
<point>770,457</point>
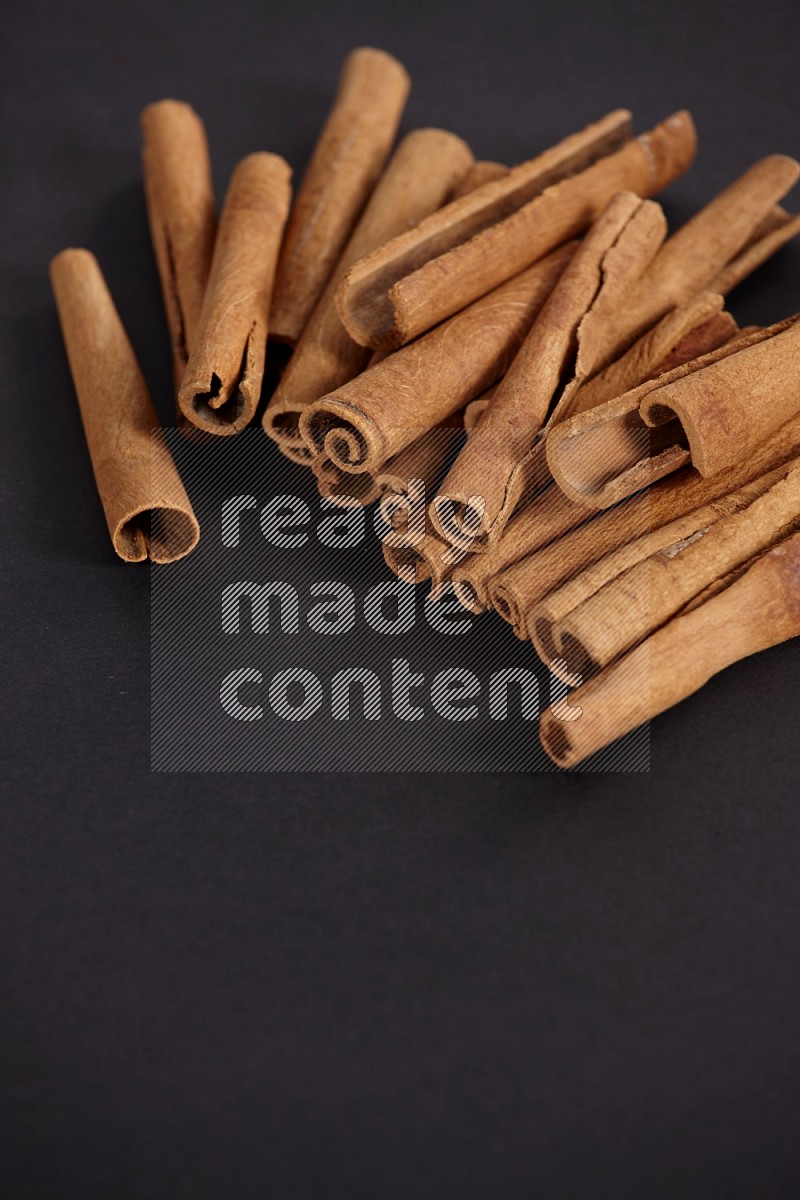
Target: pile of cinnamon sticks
<point>626,489</point>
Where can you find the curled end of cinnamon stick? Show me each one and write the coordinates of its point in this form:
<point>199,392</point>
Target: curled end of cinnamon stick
<point>345,436</point>
<point>407,563</point>
<point>222,405</point>
<point>146,507</point>
<point>466,595</point>
<point>556,740</point>
<point>460,519</point>
<point>281,423</point>
<point>162,534</point>
<point>222,384</point>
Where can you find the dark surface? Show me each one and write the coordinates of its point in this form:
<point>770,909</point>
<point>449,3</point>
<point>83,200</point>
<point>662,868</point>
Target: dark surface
<point>394,986</point>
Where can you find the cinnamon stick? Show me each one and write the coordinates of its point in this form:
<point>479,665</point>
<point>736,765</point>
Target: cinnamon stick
<point>146,507</point>
<point>179,194</point>
<point>516,591</point>
<point>685,333</point>
<point>367,421</point>
<point>600,456</point>
<point>760,609</point>
<point>417,180</point>
<point>645,596</point>
<point>347,160</point>
<point>478,174</point>
<point>539,523</point>
<point>342,487</point>
<point>478,242</point>
<point>694,259</point>
<point>222,385</point>
<point>712,411</point>
<point>728,407</point>
<point>490,470</point>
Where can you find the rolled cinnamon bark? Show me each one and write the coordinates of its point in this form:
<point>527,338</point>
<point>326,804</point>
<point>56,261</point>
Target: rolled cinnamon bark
<point>478,174</point>
<point>782,228</point>
<point>222,384</point>
<point>555,622</point>
<point>760,609</point>
<point>418,561</point>
<point>646,595</point>
<point>617,284</point>
<point>712,411</point>
<point>417,181</point>
<point>341,487</point>
<point>478,242</point>
<point>684,334</point>
<point>347,160</point>
<point>516,591</point>
<point>422,463</point>
<point>530,474</point>
<point>146,507</point>
<point>729,407</point>
<point>546,518</point>
<point>694,259</point>
<point>490,469</point>
<point>372,418</point>
<point>180,209</point>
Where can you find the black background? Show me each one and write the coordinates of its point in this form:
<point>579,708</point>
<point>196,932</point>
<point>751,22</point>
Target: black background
<point>391,986</point>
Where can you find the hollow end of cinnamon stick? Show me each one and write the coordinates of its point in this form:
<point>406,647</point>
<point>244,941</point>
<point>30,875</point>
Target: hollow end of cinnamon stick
<point>146,507</point>
<point>406,562</point>
<point>345,490</point>
<point>333,432</point>
<point>760,608</point>
<point>222,384</point>
<point>160,534</point>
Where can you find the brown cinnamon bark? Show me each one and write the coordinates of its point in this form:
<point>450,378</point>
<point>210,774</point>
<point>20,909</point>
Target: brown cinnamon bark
<point>146,507</point>
<point>417,180</point>
<point>729,407</point>
<point>369,420</point>
<point>539,523</point>
<point>480,241</point>
<point>179,194</point>
<point>222,385</point>
<point>760,609</point>
<point>684,334</point>
<point>341,487</point>
<point>516,591</point>
<point>645,596</point>
<point>556,624</point>
<point>484,485</point>
<point>601,456</point>
<point>418,560</point>
<point>347,160</point>
<point>694,258</point>
<point>478,174</point>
